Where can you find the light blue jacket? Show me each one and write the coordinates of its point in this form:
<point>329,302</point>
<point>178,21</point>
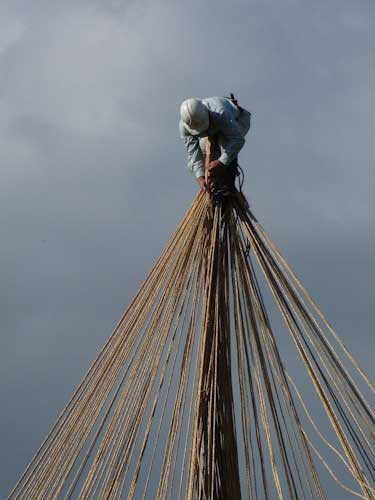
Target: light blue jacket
<point>228,123</point>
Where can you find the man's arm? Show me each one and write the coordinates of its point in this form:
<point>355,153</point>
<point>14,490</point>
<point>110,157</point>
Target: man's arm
<point>195,155</point>
<point>233,130</point>
<point>234,138</point>
<point>194,152</point>
<point>196,161</point>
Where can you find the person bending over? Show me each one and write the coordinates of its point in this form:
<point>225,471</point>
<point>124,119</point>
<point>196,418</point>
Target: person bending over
<point>224,119</point>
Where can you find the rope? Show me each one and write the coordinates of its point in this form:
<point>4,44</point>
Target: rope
<point>190,397</point>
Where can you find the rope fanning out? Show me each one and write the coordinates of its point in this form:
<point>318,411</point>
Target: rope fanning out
<point>190,396</point>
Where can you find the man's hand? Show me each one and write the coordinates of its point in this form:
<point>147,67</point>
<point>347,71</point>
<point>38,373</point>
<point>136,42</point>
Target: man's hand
<point>215,171</point>
<point>215,166</point>
<point>202,184</point>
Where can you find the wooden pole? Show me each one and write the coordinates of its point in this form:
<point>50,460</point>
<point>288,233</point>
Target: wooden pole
<point>214,461</point>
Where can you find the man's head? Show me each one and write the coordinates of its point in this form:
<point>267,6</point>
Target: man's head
<point>194,116</point>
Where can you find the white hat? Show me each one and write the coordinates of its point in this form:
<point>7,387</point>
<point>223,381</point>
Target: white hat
<point>194,116</point>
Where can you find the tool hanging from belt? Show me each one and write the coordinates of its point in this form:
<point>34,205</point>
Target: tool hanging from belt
<point>235,101</point>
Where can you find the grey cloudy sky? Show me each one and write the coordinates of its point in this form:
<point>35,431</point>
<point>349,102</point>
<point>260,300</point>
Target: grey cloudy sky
<point>93,177</point>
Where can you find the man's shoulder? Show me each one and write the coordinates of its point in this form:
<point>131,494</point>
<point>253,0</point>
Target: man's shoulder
<point>216,101</point>
<point>221,109</point>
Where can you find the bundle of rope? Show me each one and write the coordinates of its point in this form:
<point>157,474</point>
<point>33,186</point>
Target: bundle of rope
<point>190,396</point>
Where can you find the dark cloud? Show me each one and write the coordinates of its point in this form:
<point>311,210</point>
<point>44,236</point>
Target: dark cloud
<point>94,178</point>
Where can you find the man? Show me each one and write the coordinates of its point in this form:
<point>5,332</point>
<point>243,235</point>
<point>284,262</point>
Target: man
<point>223,118</point>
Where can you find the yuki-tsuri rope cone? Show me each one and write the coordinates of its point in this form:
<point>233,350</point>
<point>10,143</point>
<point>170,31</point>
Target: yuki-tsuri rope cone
<point>190,397</point>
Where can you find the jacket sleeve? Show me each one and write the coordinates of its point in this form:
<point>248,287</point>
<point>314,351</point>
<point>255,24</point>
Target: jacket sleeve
<point>234,138</point>
<point>195,155</point>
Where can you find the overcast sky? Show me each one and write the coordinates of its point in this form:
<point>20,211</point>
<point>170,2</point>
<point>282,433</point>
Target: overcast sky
<point>94,179</point>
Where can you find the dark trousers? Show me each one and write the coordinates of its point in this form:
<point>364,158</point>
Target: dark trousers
<point>227,178</point>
